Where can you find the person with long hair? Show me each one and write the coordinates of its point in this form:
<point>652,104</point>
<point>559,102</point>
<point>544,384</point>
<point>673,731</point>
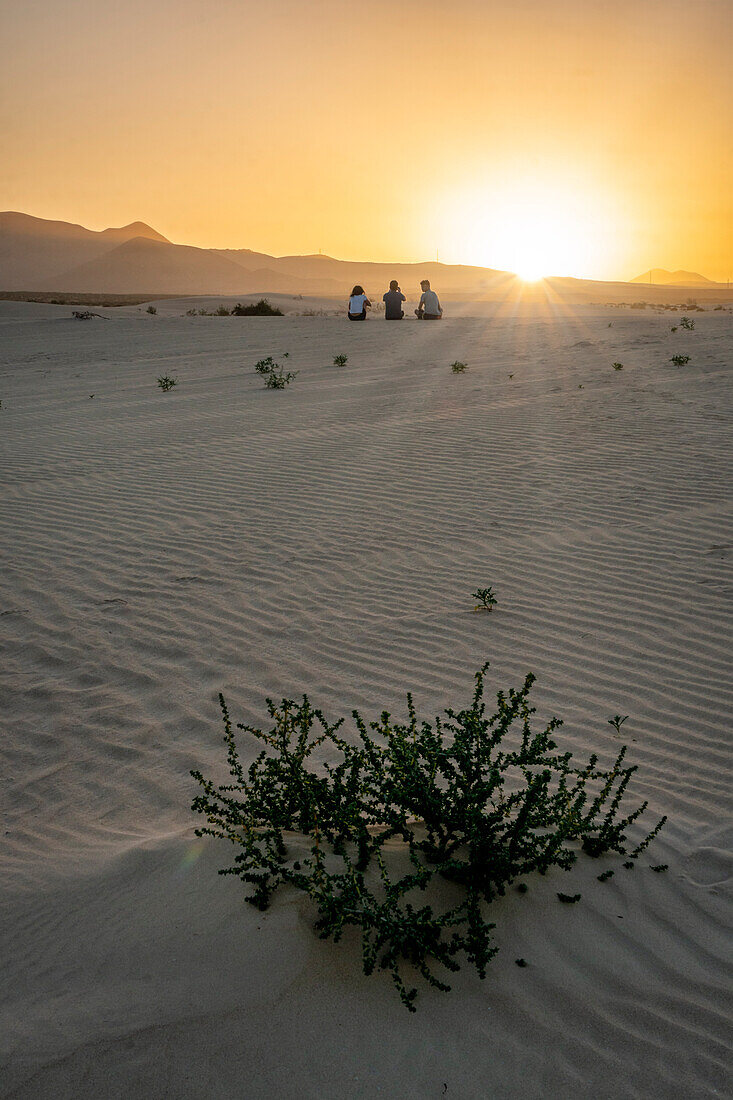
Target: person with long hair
<point>358,303</point>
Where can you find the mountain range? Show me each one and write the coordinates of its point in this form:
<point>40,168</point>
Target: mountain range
<point>37,255</point>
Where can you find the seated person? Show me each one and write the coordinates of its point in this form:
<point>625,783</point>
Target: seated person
<point>393,300</point>
<point>358,303</point>
<point>429,308</point>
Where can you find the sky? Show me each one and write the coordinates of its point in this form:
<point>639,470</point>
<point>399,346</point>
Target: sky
<point>574,137</point>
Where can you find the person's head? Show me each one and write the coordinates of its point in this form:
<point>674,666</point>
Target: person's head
<point>357,290</point>
<point>425,284</point>
<point>394,285</point>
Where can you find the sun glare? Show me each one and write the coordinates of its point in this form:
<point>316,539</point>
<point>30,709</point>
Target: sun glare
<point>533,230</point>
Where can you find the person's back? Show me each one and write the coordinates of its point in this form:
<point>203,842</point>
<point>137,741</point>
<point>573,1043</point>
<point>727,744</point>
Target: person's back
<point>430,302</point>
<point>429,308</point>
<point>358,303</point>
<point>393,300</point>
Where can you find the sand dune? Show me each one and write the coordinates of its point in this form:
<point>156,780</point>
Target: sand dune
<point>160,548</point>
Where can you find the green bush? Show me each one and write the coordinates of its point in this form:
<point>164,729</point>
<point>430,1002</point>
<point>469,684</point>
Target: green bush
<point>680,360</point>
<point>275,377</point>
<point>279,379</point>
<point>340,360</point>
<point>257,309</point>
<point>687,322</point>
<point>618,366</point>
<point>167,383</point>
<point>264,366</point>
<point>387,813</point>
<point>152,310</point>
<point>458,367</point>
<point>486,596</point>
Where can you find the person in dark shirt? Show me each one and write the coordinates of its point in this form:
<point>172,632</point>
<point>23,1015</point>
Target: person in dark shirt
<point>393,300</point>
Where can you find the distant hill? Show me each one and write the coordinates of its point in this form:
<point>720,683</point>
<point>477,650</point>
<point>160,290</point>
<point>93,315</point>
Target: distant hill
<point>134,229</point>
<point>34,250</point>
<point>661,277</point>
<point>164,268</point>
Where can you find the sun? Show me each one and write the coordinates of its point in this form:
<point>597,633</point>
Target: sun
<point>530,271</point>
<point>535,238</point>
<point>532,229</point>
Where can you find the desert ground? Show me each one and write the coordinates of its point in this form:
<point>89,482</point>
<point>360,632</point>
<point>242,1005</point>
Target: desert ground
<point>158,548</point>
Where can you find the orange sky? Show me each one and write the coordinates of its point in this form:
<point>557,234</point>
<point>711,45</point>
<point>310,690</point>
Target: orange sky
<point>579,137</point>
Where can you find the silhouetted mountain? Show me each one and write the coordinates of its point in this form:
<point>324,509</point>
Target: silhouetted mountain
<point>34,250</point>
<point>164,268</point>
<point>661,277</point>
<point>134,229</point>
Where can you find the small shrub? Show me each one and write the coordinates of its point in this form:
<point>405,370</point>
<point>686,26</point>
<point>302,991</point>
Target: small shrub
<point>617,721</point>
<point>203,313</point>
<point>222,311</point>
<point>167,383</point>
<point>256,309</point>
<point>278,380</point>
<point>449,798</point>
<point>264,366</point>
<point>190,312</point>
<point>569,899</point>
<point>458,367</point>
<point>605,876</point>
<point>659,867</point>
<point>152,310</point>
<point>275,377</point>
<point>673,328</point>
<point>487,597</point>
<point>618,366</point>
<point>687,322</point>
<point>680,360</point>
<point>521,962</point>
<point>340,360</point>
<point>84,314</point>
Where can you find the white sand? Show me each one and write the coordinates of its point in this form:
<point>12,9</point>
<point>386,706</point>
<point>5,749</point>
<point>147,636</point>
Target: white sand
<point>158,548</point>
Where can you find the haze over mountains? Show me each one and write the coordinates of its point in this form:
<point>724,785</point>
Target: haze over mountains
<point>37,255</point>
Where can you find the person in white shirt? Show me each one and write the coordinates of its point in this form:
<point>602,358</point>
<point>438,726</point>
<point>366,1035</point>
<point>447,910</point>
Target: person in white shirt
<point>429,308</point>
<point>358,303</point>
